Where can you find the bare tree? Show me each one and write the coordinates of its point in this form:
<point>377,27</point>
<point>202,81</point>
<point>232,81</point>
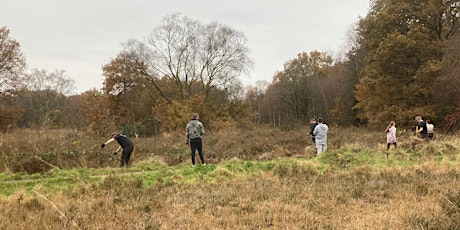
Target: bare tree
<point>173,48</point>
<point>41,80</point>
<point>187,53</point>
<point>223,56</point>
<point>43,97</point>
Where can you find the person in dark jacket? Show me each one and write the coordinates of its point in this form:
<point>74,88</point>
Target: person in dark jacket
<point>193,134</point>
<point>313,124</point>
<point>125,144</point>
<point>421,128</point>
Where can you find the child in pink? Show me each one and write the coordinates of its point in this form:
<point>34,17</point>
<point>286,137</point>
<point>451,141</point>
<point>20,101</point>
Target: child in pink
<point>391,134</point>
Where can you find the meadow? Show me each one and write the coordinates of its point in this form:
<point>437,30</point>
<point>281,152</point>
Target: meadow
<point>263,178</point>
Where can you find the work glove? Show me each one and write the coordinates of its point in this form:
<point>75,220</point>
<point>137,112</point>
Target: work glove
<point>103,145</point>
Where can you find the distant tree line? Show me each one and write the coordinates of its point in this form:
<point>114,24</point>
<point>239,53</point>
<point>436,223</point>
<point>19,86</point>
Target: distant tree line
<point>402,60</point>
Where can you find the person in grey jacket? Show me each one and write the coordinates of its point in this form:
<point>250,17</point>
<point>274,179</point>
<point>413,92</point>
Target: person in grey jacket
<point>320,133</point>
<point>193,134</point>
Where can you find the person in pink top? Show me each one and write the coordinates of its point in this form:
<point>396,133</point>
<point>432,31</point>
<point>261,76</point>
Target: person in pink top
<point>391,134</point>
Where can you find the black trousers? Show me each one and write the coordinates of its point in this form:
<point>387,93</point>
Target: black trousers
<point>196,144</point>
<point>125,155</point>
<point>389,144</point>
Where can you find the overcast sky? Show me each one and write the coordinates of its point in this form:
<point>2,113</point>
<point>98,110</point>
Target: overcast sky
<point>82,36</point>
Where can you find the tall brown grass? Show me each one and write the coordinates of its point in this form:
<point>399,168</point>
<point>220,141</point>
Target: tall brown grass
<point>30,150</point>
<point>349,193</point>
<point>423,197</point>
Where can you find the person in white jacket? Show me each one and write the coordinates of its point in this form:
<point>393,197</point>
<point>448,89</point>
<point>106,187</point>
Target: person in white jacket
<point>430,129</point>
<point>320,133</point>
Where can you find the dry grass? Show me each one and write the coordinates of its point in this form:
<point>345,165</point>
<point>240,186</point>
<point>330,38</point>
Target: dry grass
<point>424,197</point>
<point>353,186</point>
<point>28,150</point>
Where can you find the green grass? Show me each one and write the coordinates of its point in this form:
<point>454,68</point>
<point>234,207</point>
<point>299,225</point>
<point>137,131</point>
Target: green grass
<point>149,173</point>
<point>349,187</point>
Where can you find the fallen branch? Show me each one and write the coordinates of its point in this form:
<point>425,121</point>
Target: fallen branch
<point>47,163</point>
<point>56,208</point>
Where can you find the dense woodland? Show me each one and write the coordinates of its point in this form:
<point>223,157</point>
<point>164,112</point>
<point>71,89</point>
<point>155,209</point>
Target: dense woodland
<point>402,60</point>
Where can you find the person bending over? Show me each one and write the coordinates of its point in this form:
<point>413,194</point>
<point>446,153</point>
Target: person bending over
<point>125,144</point>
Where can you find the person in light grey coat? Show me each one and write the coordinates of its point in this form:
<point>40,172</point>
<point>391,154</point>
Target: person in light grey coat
<point>320,133</point>
<point>193,134</point>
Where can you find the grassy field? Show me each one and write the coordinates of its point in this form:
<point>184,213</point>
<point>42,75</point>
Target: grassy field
<point>257,179</point>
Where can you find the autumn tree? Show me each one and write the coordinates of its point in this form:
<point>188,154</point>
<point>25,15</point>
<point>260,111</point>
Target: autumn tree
<point>12,65</point>
<point>75,112</point>
<point>93,107</point>
<point>131,93</point>
<point>298,90</point>
<point>402,44</point>
<point>348,69</point>
<point>446,89</point>
<point>344,85</point>
<point>12,62</point>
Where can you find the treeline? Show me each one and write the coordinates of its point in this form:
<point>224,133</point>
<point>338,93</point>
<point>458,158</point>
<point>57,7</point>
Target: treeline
<point>402,61</point>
